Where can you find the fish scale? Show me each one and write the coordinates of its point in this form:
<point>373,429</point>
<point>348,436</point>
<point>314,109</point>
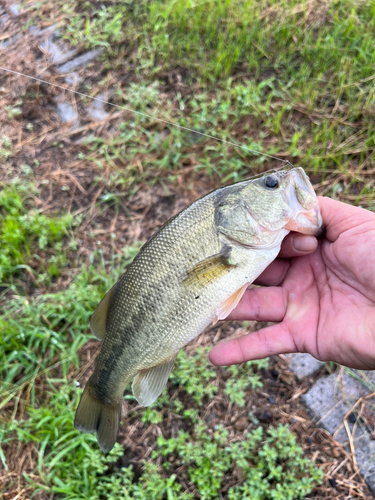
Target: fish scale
<point>191,273</point>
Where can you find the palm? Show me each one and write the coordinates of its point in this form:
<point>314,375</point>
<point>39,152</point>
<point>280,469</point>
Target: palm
<point>327,313</point>
<point>324,302</point>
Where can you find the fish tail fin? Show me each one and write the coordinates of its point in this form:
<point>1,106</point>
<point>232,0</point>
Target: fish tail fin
<point>103,418</point>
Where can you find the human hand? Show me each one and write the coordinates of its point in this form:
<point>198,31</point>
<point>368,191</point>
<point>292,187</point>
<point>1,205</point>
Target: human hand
<point>324,301</point>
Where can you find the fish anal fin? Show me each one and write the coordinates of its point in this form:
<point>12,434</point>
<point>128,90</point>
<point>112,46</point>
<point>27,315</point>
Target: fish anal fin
<point>149,384</point>
<point>99,318</point>
<point>103,418</point>
<point>226,307</point>
<point>210,269</point>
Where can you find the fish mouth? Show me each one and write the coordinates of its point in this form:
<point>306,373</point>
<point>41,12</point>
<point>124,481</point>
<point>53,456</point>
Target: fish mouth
<point>308,222</point>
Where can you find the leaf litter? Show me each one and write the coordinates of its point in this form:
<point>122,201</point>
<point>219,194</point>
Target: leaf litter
<point>68,180</point>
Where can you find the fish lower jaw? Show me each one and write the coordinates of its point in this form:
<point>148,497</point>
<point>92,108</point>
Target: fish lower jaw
<point>308,222</point>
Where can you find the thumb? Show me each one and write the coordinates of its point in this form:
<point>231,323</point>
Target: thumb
<point>266,342</point>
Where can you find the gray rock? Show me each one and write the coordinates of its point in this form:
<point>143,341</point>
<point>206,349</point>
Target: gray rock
<point>96,109</point>
<point>60,53</point>
<point>9,41</point>
<point>159,137</point>
<point>66,112</point>
<point>304,365</point>
<point>80,61</point>
<point>333,397</point>
<point>34,30</point>
<point>365,455</point>
<point>15,9</point>
<point>73,78</point>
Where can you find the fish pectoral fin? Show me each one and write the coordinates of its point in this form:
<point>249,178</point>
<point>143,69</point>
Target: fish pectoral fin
<point>210,269</point>
<point>99,318</point>
<point>226,307</point>
<point>149,384</point>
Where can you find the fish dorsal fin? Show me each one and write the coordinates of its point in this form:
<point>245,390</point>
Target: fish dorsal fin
<point>99,318</point>
<point>210,269</point>
<point>149,384</point>
<point>226,307</point>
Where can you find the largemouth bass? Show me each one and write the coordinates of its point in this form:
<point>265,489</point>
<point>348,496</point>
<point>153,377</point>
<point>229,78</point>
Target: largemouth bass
<point>191,273</point>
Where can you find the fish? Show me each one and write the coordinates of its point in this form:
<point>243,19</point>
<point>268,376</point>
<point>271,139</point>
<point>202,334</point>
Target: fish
<point>191,273</point>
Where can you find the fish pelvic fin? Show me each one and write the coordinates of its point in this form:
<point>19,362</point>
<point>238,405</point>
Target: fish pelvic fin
<point>103,418</point>
<point>99,318</point>
<point>149,384</point>
<point>226,307</point>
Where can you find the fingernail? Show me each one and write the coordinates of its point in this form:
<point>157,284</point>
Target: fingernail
<point>303,243</point>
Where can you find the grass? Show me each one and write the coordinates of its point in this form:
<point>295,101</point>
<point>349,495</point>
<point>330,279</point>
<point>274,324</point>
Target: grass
<point>165,151</point>
<point>39,359</point>
<point>289,79</point>
<point>214,37</point>
<point>26,232</point>
<point>49,329</point>
<point>305,80</point>
<point>41,339</point>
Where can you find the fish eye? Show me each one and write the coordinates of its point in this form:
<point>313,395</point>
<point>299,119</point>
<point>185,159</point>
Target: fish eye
<point>271,182</point>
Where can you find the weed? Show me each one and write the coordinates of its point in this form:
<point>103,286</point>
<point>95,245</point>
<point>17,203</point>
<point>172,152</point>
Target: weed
<point>69,462</point>
<point>209,458</point>
<point>5,147</point>
<point>14,111</point>
<point>241,377</point>
<point>152,416</point>
<point>195,375</point>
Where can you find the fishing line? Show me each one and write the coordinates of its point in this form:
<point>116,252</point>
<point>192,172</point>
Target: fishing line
<point>124,108</point>
<point>146,115</point>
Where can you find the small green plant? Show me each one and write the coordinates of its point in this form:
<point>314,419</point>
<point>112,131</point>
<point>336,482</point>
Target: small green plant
<point>104,28</point>
<point>14,111</point>
<point>5,147</point>
<point>195,375</point>
<point>241,377</point>
<point>273,467</point>
<point>152,416</point>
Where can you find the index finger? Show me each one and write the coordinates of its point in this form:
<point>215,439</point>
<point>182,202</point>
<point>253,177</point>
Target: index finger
<point>276,339</point>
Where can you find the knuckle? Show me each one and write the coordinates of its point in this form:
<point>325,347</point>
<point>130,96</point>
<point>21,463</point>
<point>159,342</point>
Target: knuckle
<point>267,345</point>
